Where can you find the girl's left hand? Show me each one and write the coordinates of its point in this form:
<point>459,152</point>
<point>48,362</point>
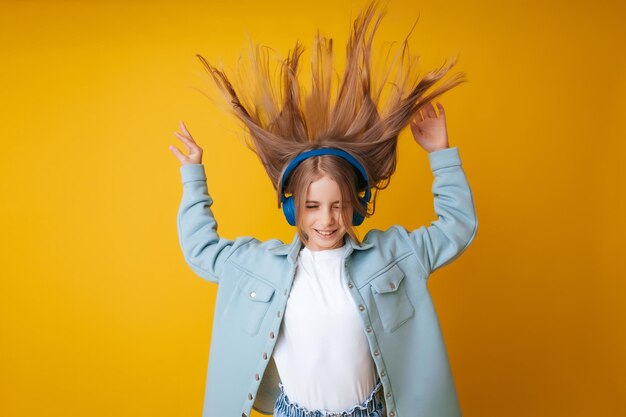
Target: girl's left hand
<point>429,130</point>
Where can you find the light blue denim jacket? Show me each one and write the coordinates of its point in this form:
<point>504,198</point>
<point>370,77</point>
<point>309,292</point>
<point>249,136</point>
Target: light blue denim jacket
<point>387,276</point>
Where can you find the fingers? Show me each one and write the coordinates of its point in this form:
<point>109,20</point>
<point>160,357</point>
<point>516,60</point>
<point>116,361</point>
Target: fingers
<point>442,113</point>
<point>189,144</point>
<point>428,110</point>
<point>431,110</point>
<point>186,138</point>
<point>184,128</point>
<point>181,157</point>
<point>185,135</point>
<point>194,151</point>
<point>417,132</point>
<point>417,118</point>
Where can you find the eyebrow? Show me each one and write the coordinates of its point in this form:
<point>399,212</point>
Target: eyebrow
<point>312,201</point>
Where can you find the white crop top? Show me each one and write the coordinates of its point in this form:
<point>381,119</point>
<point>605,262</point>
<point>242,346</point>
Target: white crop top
<point>322,354</point>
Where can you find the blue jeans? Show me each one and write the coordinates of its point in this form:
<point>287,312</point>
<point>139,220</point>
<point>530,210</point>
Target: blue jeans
<point>373,406</point>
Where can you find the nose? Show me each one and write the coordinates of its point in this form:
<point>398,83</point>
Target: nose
<point>328,217</point>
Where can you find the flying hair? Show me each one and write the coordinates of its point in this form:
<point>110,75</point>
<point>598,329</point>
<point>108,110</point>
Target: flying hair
<point>362,118</point>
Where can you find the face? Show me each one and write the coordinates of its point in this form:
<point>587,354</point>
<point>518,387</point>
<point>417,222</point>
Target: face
<point>321,215</point>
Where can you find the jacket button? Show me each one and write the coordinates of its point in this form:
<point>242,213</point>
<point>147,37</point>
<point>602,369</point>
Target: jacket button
<point>392,285</point>
<point>361,307</point>
<point>249,396</point>
<point>391,414</point>
<point>350,285</point>
<point>278,313</point>
<point>368,329</point>
<point>382,373</point>
<point>388,394</point>
<point>271,335</point>
<point>256,376</point>
<point>252,294</point>
<point>244,415</point>
<point>264,355</point>
<point>376,352</point>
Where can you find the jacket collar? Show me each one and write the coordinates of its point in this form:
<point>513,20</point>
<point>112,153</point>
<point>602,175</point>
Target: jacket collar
<point>293,249</point>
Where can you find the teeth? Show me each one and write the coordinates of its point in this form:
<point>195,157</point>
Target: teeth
<point>325,233</point>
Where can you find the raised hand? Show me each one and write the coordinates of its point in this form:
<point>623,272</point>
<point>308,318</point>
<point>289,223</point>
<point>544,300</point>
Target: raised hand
<point>195,152</point>
<point>429,130</point>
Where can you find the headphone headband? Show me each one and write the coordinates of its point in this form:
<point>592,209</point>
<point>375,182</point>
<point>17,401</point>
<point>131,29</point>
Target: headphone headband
<point>290,210</point>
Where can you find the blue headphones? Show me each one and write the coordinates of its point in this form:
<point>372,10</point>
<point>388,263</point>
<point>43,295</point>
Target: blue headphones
<point>289,208</point>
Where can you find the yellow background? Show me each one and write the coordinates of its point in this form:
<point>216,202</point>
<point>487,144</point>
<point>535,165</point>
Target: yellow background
<point>100,315</point>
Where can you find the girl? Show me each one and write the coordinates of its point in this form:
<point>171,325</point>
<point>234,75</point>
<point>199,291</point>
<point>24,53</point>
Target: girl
<point>330,325</point>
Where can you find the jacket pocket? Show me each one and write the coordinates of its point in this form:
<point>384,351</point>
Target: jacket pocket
<point>392,301</point>
<point>249,303</point>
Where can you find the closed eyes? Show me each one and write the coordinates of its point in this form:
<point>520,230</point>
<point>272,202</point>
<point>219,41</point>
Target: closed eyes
<point>335,207</point>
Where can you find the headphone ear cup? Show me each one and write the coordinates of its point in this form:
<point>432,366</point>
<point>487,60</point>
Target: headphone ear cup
<point>289,209</point>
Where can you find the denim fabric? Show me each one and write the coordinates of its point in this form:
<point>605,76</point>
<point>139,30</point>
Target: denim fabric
<point>387,275</point>
<point>373,406</point>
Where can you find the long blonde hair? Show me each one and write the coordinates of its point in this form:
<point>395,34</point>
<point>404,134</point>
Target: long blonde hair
<point>357,121</point>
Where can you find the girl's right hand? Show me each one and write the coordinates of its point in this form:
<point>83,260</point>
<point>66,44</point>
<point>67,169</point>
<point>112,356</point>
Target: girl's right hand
<point>195,152</point>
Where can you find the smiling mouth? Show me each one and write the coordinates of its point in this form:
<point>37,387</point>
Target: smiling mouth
<point>325,234</point>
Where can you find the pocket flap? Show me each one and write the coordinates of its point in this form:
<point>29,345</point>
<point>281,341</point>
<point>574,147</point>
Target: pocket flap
<point>255,289</point>
<point>388,281</point>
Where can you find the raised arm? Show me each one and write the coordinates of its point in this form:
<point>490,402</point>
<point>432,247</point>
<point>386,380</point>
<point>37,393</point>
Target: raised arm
<point>204,251</point>
<point>446,238</point>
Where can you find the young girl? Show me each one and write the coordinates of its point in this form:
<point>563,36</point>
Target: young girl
<point>330,325</point>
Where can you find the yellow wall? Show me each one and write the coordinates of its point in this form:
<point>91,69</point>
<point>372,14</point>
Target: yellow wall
<point>101,316</point>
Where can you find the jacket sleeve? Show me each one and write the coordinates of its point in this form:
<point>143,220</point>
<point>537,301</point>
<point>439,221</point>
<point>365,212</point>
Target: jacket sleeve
<point>446,238</point>
<point>204,251</point>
